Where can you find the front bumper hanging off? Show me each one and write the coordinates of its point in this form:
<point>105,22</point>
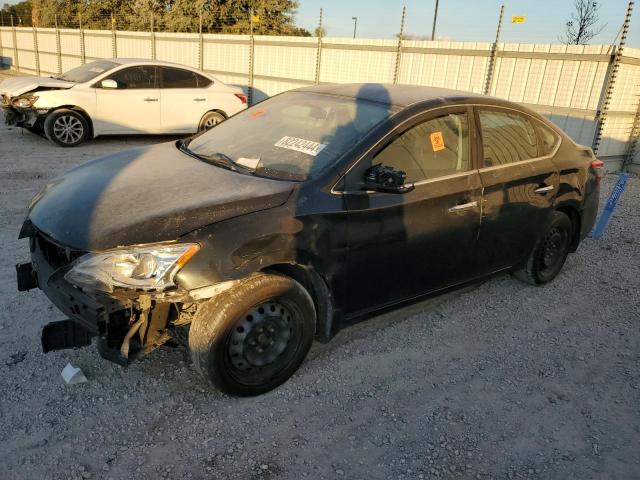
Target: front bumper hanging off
<point>20,117</point>
<point>126,327</point>
<point>55,335</point>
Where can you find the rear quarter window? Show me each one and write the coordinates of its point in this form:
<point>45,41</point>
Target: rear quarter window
<point>549,139</point>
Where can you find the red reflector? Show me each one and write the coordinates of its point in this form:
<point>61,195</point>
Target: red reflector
<point>598,166</point>
<point>242,97</point>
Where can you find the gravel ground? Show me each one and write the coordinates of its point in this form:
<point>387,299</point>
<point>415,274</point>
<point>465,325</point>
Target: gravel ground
<point>504,380</point>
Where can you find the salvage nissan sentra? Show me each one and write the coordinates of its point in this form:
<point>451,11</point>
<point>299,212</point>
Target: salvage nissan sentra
<point>313,208</point>
<point>118,96</point>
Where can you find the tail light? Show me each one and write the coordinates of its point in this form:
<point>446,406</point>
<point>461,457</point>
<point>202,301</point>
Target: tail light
<point>598,167</point>
<point>242,97</point>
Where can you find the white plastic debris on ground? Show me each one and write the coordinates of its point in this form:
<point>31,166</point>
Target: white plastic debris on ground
<point>73,375</point>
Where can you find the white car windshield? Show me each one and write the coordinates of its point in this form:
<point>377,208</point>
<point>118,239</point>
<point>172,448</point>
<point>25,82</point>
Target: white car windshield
<point>87,72</point>
<point>296,135</point>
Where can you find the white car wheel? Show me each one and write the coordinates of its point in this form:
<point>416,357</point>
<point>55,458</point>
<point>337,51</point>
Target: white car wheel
<point>210,120</point>
<point>66,128</point>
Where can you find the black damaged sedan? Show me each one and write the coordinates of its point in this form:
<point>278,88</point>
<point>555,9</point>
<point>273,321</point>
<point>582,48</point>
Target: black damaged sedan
<point>312,209</point>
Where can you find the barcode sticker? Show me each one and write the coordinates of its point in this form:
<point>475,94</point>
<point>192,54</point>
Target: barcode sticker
<point>301,145</point>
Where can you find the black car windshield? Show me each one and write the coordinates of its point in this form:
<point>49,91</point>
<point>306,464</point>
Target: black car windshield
<point>87,72</point>
<point>296,135</point>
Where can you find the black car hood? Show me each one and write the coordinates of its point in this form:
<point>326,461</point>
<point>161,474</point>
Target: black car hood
<point>146,195</point>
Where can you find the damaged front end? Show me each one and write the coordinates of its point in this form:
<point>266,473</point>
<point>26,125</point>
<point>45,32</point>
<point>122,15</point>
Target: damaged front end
<point>20,112</point>
<point>124,297</point>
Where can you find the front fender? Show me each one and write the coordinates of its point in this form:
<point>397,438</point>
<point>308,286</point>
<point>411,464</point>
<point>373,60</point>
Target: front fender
<point>240,246</point>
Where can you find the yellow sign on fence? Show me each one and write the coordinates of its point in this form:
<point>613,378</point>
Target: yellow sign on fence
<point>255,18</point>
<point>517,18</point>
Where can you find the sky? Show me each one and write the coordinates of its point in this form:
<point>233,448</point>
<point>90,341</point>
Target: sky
<point>463,20</point>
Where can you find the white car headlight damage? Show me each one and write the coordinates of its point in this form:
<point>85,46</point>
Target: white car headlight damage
<point>24,101</point>
<point>147,267</point>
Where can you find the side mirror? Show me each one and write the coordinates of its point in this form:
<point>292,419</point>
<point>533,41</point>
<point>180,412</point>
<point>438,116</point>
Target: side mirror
<point>108,83</point>
<point>382,178</point>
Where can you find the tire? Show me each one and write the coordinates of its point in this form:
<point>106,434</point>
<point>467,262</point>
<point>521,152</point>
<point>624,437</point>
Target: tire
<point>253,337</point>
<point>210,120</point>
<point>549,253</point>
<point>66,128</point>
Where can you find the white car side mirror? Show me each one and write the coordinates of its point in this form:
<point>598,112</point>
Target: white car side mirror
<point>108,83</point>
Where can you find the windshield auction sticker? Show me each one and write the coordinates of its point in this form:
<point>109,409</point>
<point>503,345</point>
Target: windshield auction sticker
<point>301,145</point>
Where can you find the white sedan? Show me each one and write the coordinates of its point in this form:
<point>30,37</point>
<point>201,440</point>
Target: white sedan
<point>119,96</point>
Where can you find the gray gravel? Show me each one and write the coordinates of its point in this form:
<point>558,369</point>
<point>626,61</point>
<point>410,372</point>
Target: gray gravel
<point>504,380</point>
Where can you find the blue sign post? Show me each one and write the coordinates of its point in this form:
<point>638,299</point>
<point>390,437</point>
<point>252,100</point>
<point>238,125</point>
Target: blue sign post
<point>611,204</point>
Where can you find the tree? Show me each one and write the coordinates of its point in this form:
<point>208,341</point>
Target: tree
<point>582,26</point>
<point>21,13</point>
<point>218,16</point>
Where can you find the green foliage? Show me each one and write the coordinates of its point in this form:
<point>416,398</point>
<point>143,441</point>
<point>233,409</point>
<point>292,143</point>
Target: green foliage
<point>217,16</point>
<point>21,13</point>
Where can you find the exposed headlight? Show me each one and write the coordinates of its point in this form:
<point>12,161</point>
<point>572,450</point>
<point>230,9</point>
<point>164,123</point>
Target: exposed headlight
<point>24,101</point>
<point>148,267</point>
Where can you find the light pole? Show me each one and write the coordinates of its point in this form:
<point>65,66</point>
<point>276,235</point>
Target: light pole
<point>435,18</point>
<point>355,25</point>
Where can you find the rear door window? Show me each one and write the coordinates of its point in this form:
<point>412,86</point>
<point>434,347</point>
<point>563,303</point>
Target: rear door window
<point>178,78</point>
<point>507,137</point>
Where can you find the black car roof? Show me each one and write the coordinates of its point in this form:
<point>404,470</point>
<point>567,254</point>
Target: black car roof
<point>387,93</point>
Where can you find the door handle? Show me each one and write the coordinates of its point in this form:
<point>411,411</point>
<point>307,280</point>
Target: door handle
<point>463,206</point>
<point>544,189</point>
<point>199,99</point>
<point>150,99</point>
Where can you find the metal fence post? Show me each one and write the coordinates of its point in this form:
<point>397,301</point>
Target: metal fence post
<point>15,45</point>
<point>83,57</point>
<point>114,40</point>
<point>200,43</point>
<point>494,53</point>
<point>609,87</point>
<point>1,47</point>
<point>396,71</point>
<point>153,39</point>
<point>319,51</point>
<point>633,139</point>
<point>36,50</point>
<point>251,51</point>
<point>58,50</point>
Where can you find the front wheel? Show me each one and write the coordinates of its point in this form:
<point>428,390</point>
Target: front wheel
<point>549,253</point>
<point>66,128</point>
<point>254,336</point>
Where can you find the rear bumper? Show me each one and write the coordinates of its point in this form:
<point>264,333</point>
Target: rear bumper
<point>589,211</point>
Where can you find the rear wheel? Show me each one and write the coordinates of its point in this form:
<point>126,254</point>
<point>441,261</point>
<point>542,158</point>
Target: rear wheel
<point>254,336</point>
<point>549,253</point>
<point>66,128</point>
<point>210,120</point>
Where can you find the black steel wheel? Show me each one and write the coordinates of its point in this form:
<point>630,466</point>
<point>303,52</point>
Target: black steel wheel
<point>252,337</point>
<point>66,128</point>
<point>549,253</point>
<point>210,120</point>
